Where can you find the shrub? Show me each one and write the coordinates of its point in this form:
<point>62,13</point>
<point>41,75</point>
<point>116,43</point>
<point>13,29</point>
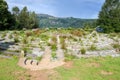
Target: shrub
<point>83,51</point>
<point>3,35</point>
<point>53,55</point>
<point>0,52</point>
<point>44,37</point>
<point>93,47</point>
<point>63,46</point>
<point>25,49</point>
<point>24,41</point>
<point>54,47</point>
<point>115,45</point>
<point>16,40</point>
<point>54,40</point>
<point>69,57</point>
<point>10,36</point>
<point>39,58</point>
<point>77,32</point>
<point>37,31</point>
<point>28,34</point>
<point>15,57</point>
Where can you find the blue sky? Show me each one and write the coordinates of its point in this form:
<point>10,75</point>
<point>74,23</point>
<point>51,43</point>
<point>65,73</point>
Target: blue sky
<point>61,8</point>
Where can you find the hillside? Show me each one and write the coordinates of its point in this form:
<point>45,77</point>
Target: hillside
<point>51,21</point>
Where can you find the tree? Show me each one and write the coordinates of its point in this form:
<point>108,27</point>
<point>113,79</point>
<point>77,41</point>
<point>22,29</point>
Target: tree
<point>28,19</point>
<point>24,18</point>
<point>16,11</point>
<point>33,21</point>
<point>109,16</point>
<point>6,19</point>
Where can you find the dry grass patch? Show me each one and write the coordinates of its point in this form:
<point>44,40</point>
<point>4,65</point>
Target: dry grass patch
<point>106,72</point>
<point>93,64</point>
<point>68,64</point>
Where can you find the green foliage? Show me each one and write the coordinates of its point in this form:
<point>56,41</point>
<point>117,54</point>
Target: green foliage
<point>10,36</point>
<point>53,54</point>
<point>83,51</point>
<point>116,45</point>
<point>16,40</point>
<point>6,19</point>
<point>62,41</point>
<point>24,40</point>
<point>93,47</point>
<point>3,35</point>
<point>109,16</point>
<point>25,49</point>
<point>69,57</point>
<point>27,19</point>
<point>54,40</point>
<point>54,47</point>
<point>39,58</point>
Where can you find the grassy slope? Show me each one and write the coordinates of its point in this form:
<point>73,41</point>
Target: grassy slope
<point>9,69</point>
<point>83,69</point>
<point>92,69</point>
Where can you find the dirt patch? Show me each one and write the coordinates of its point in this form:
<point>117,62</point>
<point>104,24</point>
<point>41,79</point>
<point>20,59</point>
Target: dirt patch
<point>42,75</point>
<point>45,63</point>
<point>93,64</point>
<point>20,75</point>
<point>37,75</point>
<point>106,72</point>
<point>68,64</point>
<point>74,78</point>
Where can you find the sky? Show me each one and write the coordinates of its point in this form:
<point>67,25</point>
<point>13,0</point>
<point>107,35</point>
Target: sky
<point>88,9</point>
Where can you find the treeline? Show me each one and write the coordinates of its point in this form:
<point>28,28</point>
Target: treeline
<point>17,19</point>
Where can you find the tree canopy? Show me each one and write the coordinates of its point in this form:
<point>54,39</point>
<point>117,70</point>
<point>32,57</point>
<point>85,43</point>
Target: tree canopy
<point>6,19</point>
<point>17,19</point>
<point>109,16</point>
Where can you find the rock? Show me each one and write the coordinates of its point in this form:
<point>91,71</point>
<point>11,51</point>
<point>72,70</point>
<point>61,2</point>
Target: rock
<point>38,52</point>
<point>22,54</point>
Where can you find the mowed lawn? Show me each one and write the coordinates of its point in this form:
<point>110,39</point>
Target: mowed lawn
<point>98,68</point>
<point>9,69</point>
<point>107,68</point>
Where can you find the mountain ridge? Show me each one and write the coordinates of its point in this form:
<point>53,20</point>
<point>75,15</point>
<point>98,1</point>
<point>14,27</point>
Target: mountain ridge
<point>47,21</point>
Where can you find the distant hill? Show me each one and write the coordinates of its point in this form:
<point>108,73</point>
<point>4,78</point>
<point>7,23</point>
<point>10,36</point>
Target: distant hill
<point>46,20</point>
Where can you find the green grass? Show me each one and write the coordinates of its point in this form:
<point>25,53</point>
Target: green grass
<point>82,70</point>
<point>8,69</point>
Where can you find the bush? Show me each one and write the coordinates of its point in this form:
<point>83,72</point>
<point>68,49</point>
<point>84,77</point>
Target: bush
<point>24,40</point>
<point>10,36</point>
<point>93,47</point>
<point>3,35</point>
<point>54,47</point>
<point>116,45</point>
<point>28,34</point>
<point>77,32</point>
<point>16,40</point>
<point>63,46</point>
<point>53,55</point>
<point>25,49</point>
<point>69,57</point>
<point>54,40</point>
<point>39,58</point>
<point>83,51</point>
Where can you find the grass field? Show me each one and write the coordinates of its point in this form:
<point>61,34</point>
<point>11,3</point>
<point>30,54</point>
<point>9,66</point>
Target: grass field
<point>9,69</point>
<point>92,69</point>
<point>98,68</point>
